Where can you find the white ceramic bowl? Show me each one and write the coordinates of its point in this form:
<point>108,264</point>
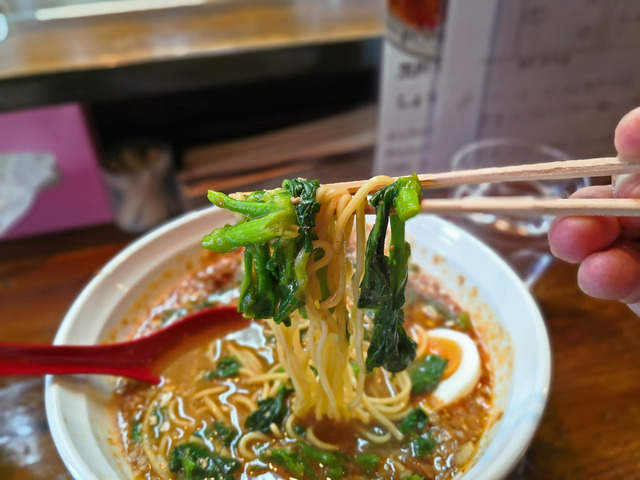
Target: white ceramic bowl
<point>509,321</point>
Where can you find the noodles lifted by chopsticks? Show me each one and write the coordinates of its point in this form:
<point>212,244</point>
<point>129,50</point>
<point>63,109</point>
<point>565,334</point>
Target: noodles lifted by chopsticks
<point>298,274</point>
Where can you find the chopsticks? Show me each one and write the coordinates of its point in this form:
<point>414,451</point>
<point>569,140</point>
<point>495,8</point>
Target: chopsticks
<point>591,167</point>
<point>527,205</point>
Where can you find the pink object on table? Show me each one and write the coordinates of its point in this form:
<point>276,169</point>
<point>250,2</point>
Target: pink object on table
<point>79,197</point>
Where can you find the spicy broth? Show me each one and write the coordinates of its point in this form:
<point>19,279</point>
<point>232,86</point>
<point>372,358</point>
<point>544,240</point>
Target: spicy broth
<point>189,402</point>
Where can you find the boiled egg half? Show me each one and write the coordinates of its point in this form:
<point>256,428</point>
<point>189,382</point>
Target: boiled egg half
<point>463,368</point>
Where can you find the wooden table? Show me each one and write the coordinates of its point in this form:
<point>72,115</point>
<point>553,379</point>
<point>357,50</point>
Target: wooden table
<point>590,430</point>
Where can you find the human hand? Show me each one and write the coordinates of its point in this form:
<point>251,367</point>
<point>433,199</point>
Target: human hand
<point>607,248</point>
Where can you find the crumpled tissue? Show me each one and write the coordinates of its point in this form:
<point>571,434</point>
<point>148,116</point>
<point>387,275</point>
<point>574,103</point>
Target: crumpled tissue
<point>22,176</point>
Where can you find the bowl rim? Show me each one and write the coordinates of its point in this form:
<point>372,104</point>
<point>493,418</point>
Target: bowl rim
<point>514,450</point>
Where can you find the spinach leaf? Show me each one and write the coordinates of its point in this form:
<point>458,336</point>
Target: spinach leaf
<point>270,410</point>
<point>332,462</point>
<point>355,367</point>
<point>462,321</point>
<point>277,235</point>
<point>258,294</point>
<point>426,374</point>
<point>407,203</point>
<point>368,462</point>
<point>227,367</point>
<point>306,208</point>
<point>291,460</point>
<point>383,284</point>
<point>194,462</point>
<point>415,476</point>
<point>267,215</point>
<point>423,445</point>
<point>414,422</point>
<point>420,443</point>
<point>136,431</point>
<point>303,460</point>
<point>219,431</point>
<point>459,318</point>
<point>287,265</point>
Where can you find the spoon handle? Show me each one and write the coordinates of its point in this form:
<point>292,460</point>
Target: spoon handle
<point>34,359</point>
<point>139,358</point>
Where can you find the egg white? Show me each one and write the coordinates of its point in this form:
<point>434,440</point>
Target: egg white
<point>462,382</point>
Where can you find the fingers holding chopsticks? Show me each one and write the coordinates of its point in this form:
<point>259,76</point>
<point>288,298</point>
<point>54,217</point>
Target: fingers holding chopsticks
<point>613,274</point>
<point>627,142</point>
<point>575,238</point>
<point>606,247</point>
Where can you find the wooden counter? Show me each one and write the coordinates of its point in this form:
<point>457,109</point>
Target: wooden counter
<point>93,51</point>
<point>67,36</point>
<point>591,428</point>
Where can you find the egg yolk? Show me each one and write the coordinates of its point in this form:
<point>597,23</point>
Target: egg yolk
<point>446,348</point>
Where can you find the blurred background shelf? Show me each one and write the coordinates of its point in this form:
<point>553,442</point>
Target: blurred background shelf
<point>334,148</point>
<point>59,51</point>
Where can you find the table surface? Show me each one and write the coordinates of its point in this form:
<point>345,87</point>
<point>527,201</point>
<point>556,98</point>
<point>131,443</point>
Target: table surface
<point>590,430</point>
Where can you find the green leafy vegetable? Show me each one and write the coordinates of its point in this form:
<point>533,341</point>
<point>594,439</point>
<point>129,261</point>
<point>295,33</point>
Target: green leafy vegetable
<point>277,236</point>
<point>270,410</point>
<point>194,462</point>
<point>385,278</point>
<point>258,294</point>
<point>219,431</point>
<point>368,462</point>
<point>415,476</point>
<point>407,203</point>
<point>426,374</point>
<point>423,445</point>
<point>287,265</point>
<point>331,462</point>
<point>306,208</point>
<point>136,431</point>
<point>414,422</point>
<point>420,443</point>
<point>304,461</point>
<point>462,321</point>
<point>227,367</point>
<point>291,460</point>
<point>268,215</point>
<point>355,367</point>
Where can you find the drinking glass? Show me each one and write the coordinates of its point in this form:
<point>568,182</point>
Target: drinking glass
<point>522,240</point>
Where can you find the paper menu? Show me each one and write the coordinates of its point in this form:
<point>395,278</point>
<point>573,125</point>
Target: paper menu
<point>405,137</point>
<point>409,81</point>
<point>556,72</point>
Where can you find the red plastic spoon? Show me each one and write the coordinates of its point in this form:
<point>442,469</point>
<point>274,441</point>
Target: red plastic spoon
<point>142,358</point>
